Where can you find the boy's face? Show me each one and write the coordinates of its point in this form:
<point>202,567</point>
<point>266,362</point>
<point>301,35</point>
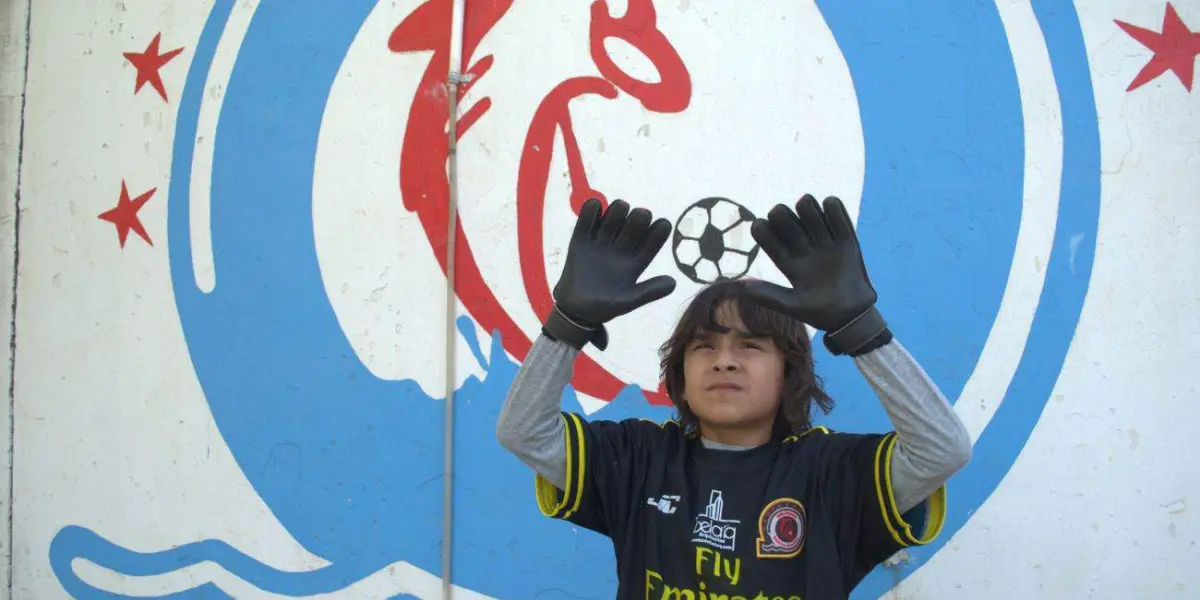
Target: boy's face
<point>733,381</point>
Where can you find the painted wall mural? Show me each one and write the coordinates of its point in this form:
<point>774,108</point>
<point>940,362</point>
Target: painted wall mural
<point>293,226</point>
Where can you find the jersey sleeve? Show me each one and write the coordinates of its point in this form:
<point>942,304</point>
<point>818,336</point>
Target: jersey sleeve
<point>606,461</point>
<point>857,474</point>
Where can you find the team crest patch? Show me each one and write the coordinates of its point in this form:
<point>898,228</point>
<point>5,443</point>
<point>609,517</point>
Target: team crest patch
<point>781,529</point>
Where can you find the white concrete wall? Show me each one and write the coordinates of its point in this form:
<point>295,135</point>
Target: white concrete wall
<point>257,391</point>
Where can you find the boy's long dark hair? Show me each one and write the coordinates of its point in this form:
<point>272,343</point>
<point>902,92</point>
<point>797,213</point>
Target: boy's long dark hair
<point>801,389</point>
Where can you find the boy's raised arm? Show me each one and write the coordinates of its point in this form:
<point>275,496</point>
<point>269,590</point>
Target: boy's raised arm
<point>818,251</point>
<point>609,250</point>
<point>529,425</point>
<point>931,441</point>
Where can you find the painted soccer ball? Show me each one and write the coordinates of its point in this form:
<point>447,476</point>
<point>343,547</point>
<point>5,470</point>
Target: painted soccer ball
<point>712,241</point>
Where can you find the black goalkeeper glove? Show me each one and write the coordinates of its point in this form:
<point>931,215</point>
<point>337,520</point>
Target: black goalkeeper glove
<point>599,282</point>
<point>818,252</point>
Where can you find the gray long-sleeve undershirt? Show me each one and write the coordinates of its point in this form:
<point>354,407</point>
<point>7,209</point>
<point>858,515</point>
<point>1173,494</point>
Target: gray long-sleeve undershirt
<point>931,441</point>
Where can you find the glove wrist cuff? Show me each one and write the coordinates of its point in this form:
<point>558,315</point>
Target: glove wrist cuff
<point>559,326</point>
<point>859,335</point>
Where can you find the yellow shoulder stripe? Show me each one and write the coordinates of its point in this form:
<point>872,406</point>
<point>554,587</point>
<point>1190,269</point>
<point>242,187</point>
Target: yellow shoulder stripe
<point>561,504</point>
<point>901,530</point>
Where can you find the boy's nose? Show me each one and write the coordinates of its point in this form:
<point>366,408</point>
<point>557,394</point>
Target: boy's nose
<point>725,362</point>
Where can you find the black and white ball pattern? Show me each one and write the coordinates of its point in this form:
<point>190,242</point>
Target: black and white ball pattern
<point>712,241</point>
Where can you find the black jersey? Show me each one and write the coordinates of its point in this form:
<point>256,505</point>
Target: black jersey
<point>803,517</point>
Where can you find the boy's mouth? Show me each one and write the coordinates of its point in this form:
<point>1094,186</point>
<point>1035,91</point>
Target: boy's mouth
<point>725,385</point>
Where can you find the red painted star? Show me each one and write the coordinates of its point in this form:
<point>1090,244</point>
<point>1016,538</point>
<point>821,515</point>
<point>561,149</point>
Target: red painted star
<point>148,63</point>
<point>125,215</point>
<point>1175,49</point>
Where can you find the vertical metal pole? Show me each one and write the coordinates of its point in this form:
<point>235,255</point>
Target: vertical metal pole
<point>452,80</point>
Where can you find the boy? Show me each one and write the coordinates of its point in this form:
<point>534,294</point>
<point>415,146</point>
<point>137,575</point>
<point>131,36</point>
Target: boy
<point>741,497</point>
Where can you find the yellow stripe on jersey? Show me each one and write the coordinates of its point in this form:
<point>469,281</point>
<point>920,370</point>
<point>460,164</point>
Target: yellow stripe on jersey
<point>935,514</point>
<point>579,449</point>
<point>796,437</point>
<point>552,501</point>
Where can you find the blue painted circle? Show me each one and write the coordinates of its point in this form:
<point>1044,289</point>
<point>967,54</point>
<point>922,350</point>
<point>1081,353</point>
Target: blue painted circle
<point>351,464</point>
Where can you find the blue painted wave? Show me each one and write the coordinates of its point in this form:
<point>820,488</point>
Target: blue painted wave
<point>74,542</point>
